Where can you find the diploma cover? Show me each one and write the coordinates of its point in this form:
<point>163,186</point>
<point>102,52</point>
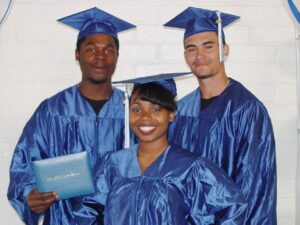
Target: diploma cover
<point>69,175</point>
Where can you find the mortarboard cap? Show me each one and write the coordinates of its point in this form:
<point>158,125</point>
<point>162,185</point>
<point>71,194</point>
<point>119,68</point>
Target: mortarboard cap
<point>165,80</point>
<point>197,20</point>
<point>96,21</point>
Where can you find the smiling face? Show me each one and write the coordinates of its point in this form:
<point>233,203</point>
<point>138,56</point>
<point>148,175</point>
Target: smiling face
<point>202,54</point>
<point>149,121</point>
<point>98,57</point>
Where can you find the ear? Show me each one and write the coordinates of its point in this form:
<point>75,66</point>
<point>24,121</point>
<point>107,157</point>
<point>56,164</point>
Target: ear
<point>226,50</point>
<point>77,55</point>
<point>171,116</point>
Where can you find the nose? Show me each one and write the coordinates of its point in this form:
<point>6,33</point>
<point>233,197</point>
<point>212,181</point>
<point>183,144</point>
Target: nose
<point>99,54</point>
<point>146,115</point>
<point>199,53</point>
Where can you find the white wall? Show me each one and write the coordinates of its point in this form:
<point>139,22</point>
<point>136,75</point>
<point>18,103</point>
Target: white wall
<point>37,60</point>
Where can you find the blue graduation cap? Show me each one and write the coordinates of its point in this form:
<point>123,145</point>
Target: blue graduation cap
<point>165,80</point>
<point>96,21</point>
<point>196,20</point>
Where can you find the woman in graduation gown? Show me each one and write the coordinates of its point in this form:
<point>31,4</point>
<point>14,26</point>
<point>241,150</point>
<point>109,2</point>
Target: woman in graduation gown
<point>154,183</point>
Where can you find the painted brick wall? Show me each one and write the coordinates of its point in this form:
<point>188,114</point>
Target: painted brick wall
<point>37,60</point>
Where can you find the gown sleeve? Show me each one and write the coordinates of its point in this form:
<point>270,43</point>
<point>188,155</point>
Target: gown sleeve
<point>89,209</point>
<point>257,176</point>
<point>29,146</point>
<point>214,198</point>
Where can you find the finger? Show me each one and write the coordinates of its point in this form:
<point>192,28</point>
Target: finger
<point>41,200</point>
<point>40,206</point>
<point>40,195</point>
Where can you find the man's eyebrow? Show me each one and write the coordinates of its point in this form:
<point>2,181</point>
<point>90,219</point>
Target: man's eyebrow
<point>190,46</point>
<point>89,43</point>
<point>194,46</point>
<point>95,44</point>
<point>208,43</point>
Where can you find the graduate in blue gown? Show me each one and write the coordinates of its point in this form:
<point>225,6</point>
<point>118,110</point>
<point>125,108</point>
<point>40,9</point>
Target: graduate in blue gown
<point>221,120</point>
<point>86,117</point>
<point>155,183</point>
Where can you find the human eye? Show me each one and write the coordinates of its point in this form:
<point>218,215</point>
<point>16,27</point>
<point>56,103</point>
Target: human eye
<point>135,109</point>
<point>190,49</point>
<point>90,50</point>
<point>208,45</point>
<point>156,108</point>
<point>110,51</point>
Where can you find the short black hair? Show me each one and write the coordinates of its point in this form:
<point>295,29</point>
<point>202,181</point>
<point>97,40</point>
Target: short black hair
<point>79,42</point>
<point>156,94</point>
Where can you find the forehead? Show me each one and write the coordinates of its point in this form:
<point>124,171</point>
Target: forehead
<point>201,37</point>
<point>135,96</point>
<point>102,39</point>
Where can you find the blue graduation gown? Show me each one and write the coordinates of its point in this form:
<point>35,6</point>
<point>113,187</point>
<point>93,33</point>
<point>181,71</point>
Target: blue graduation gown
<point>63,124</point>
<point>235,132</point>
<point>177,188</point>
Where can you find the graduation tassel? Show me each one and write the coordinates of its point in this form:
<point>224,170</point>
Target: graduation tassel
<point>127,130</point>
<point>219,22</point>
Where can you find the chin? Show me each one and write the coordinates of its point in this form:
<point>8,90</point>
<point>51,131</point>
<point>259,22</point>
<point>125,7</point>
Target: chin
<point>99,80</point>
<point>203,77</point>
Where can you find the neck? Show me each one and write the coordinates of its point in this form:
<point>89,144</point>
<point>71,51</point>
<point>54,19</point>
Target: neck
<point>95,91</point>
<point>153,149</point>
<point>213,86</point>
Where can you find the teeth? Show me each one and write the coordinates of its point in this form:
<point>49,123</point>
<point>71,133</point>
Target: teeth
<point>147,128</point>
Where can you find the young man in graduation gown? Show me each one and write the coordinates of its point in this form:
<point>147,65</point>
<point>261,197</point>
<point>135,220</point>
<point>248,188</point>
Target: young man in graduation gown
<point>86,117</point>
<point>223,121</point>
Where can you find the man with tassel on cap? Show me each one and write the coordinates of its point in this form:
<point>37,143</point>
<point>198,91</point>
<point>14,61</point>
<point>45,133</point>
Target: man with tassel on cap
<point>85,117</point>
<point>221,120</point>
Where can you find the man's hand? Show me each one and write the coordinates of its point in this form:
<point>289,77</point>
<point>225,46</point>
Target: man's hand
<point>39,202</point>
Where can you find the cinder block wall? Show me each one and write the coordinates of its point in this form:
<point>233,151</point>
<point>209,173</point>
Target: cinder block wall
<point>37,60</point>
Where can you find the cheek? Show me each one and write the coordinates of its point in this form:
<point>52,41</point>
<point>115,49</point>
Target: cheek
<point>112,60</point>
<point>132,119</point>
<point>164,120</point>
<point>189,60</point>
<point>85,57</point>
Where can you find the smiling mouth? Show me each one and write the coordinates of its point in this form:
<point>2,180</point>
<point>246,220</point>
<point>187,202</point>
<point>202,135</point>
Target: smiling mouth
<point>146,129</point>
<point>202,64</point>
<point>99,68</point>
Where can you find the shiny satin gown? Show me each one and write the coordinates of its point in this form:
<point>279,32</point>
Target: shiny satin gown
<point>235,132</point>
<point>176,189</point>
<point>63,124</point>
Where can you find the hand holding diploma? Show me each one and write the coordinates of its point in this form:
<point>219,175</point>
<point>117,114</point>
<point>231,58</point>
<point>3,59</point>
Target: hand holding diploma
<point>40,201</point>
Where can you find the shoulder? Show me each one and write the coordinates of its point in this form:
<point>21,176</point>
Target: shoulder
<point>122,156</point>
<point>191,97</point>
<point>50,103</point>
<point>239,95</point>
<point>61,100</point>
<point>189,104</point>
<point>118,92</point>
<point>180,160</point>
<point>117,99</point>
<point>236,100</point>
<point>66,93</point>
<point>177,152</point>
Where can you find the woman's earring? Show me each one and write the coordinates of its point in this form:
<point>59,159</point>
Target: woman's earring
<point>225,58</point>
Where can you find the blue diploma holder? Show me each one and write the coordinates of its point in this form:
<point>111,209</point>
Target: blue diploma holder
<point>69,175</point>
